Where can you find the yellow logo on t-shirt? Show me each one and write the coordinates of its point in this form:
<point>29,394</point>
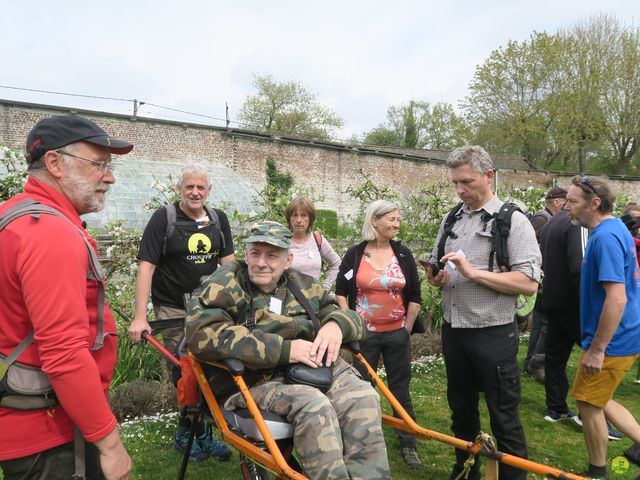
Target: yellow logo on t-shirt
<point>199,243</point>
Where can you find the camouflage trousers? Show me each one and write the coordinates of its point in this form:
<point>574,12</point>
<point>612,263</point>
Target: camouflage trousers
<point>337,435</point>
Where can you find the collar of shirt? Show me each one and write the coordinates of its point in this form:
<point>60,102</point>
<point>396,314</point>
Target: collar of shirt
<point>48,195</point>
<point>491,207</point>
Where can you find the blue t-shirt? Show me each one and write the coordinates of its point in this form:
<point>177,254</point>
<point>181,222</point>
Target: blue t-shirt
<point>610,257</point>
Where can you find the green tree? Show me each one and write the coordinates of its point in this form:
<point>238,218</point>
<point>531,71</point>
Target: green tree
<point>417,124</point>
<point>615,61</point>
<point>276,194</point>
<point>506,103</point>
<point>443,129</point>
<point>287,109</point>
<point>569,100</point>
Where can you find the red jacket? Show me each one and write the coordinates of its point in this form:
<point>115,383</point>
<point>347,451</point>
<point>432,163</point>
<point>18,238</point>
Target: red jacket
<point>43,274</point>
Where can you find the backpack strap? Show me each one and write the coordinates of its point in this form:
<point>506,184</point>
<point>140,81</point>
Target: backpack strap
<point>317,236</point>
<point>447,231</point>
<point>215,220</point>
<point>304,301</point>
<point>172,216</point>
<point>545,214</point>
<point>6,362</point>
<point>500,230</point>
<point>170,210</point>
<point>94,270</point>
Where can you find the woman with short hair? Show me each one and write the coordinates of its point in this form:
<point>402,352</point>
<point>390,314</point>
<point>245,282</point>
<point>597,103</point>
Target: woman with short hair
<point>310,249</point>
<point>378,278</point>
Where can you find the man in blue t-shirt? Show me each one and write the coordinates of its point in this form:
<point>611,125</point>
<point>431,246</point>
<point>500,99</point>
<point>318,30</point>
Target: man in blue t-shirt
<point>609,317</point>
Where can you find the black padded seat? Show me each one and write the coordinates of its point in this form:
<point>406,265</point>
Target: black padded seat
<point>241,418</point>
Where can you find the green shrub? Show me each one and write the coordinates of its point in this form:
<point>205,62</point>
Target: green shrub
<point>13,170</point>
<point>135,362</point>
<point>142,397</point>
<point>327,222</point>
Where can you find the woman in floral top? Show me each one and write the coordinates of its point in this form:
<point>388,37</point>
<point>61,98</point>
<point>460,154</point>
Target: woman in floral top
<point>378,278</point>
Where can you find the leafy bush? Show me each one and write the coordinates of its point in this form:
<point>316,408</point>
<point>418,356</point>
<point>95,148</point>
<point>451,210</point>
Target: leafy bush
<point>327,222</point>
<point>13,167</point>
<point>142,397</point>
<point>135,362</point>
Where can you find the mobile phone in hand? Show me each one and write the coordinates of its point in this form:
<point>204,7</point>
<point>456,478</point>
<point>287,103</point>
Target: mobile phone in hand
<point>435,269</point>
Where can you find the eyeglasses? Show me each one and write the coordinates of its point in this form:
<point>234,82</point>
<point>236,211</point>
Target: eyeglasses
<point>102,166</point>
<point>587,181</point>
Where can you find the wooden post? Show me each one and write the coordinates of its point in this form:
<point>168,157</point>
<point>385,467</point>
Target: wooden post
<point>492,469</point>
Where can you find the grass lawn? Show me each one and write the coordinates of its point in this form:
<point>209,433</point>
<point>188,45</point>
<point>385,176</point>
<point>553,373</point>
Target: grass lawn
<point>559,444</point>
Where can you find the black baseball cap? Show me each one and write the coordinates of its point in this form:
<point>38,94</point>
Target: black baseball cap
<point>556,192</point>
<point>630,221</point>
<point>58,131</point>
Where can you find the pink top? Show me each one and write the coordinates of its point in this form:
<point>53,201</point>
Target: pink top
<point>379,296</point>
<point>307,259</point>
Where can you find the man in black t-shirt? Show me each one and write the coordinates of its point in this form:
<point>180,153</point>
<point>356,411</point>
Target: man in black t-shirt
<point>171,266</point>
<point>562,245</point>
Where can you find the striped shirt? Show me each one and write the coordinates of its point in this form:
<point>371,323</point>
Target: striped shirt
<point>468,304</point>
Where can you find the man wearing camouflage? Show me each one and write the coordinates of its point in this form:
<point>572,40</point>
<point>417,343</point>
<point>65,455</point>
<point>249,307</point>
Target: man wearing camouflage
<point>348,443</point>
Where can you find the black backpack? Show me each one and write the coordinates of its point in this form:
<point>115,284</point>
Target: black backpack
<point>500,229</point>
<point>172,222</point>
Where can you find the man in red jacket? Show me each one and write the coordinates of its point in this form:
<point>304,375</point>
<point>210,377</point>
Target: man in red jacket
<point>46,290</point>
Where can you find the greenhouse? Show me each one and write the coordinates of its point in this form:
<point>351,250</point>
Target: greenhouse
<point>138,182</point>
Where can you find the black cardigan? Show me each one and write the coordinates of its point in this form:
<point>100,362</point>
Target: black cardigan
<point>351,262</point>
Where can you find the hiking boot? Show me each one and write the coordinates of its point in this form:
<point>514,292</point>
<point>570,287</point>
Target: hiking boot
<point>197,454</point>
<point>411,458</point>
<point>536,373</point>
<point>633,453</point>
<point>553,416</point>
<point>204,445</point>
<point>212,446</point>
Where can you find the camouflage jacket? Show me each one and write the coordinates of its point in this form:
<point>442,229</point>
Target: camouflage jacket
<point>218,312</point>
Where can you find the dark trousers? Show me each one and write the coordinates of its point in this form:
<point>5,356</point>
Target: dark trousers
<point>563,332</point>
<point>57,463</point>
<point>535,352</point>
<point>395,347</point>
<point>485,359</point>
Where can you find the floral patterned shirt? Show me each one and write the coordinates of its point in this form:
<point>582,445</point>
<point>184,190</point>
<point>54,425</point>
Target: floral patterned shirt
<point>379,296</point>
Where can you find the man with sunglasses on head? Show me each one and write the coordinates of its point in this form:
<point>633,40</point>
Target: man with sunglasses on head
<point>53,316</point>
<point>609,317</point>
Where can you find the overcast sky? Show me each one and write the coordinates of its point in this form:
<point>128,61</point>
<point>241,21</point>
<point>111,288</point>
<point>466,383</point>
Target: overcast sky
<point>360,57</point>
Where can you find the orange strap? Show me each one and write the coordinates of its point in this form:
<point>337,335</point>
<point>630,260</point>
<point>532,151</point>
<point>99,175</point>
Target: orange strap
<point>187,384</point>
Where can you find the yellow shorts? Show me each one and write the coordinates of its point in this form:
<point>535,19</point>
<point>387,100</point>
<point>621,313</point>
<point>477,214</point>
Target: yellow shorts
<point>598,388</point>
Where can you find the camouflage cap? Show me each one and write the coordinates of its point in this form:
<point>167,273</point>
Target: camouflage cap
<point>272,233</point>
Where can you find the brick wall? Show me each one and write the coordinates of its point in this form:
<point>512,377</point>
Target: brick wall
<point>325,167</point>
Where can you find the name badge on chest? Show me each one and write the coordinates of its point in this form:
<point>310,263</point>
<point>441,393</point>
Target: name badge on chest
<point>275,305</point>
